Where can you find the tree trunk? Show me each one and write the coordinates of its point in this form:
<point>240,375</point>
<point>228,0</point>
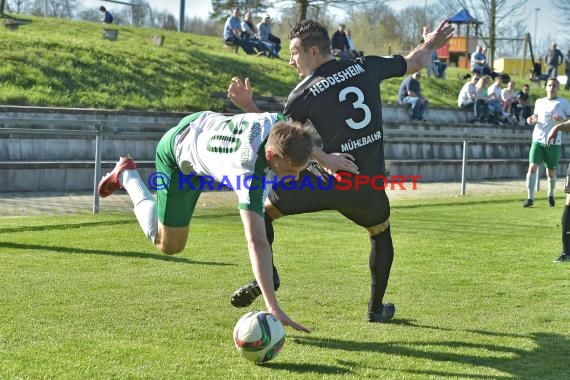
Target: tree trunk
<point>492,34</point>
<point>304,5</point>
<point>2,4</point>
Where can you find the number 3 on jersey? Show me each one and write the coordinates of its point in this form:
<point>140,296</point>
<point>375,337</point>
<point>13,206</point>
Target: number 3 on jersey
<point>357,104</point>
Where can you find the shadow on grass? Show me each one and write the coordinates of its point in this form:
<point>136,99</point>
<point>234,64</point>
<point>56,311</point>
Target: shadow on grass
<point>202,214</point>
<point>458,202</point>
<point>547,359</point>
<point>309,368</point>
<point>126,254</point>
<point>66,226</point>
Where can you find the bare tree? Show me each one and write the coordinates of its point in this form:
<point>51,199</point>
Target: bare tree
<point>375,30</point>
<point>305,5</point>
<point>141,13</point>
<point>563,10</point>
<point>221,8</point>
<point>411,26</point>
<point>562,7</point>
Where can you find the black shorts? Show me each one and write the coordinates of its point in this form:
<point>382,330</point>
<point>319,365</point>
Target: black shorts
<point>316,190</point>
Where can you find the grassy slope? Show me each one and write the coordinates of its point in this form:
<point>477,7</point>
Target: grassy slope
<point>58,62</point>
<point>55,62</point>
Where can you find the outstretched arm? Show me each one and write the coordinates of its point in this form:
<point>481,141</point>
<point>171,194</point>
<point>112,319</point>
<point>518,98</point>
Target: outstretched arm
<point>419,57</point>
<point>240,94</point>
<point>260,257</point>
<point>562,127</point>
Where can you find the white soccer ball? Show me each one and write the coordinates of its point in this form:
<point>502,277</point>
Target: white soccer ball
<point>259,336</point>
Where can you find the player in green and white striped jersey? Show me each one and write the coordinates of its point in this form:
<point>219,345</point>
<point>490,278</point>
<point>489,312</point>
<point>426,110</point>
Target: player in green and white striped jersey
<point>236,150</point>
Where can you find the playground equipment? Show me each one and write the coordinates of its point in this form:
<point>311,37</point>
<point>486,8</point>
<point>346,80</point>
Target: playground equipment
<point>457,51</point>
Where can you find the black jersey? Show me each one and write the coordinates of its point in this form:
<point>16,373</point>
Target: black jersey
<point>342,101</point>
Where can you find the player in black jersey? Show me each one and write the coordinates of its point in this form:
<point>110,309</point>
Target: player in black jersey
<point>341,99</point>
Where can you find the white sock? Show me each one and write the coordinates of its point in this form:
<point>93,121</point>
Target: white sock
<point>551,186</point>
<point>531,184</point>
<point>143,201</point>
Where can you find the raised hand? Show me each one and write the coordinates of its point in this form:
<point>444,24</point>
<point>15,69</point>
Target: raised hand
<point>439,36</point>
<point>241,94</point>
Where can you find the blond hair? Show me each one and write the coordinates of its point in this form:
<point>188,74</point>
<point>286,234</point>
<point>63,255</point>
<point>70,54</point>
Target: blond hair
<point>292,141</point>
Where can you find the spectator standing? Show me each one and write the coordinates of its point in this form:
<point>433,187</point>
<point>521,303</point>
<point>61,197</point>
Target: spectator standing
<point>233,33</point>
<point>264,28</point>
<point>410,93</point>
<point>567,69</point>
<point>467,99</point>
<point>339,44</point>
<point>106,16</point>
<point>553,59</point>
<point>548,111</point>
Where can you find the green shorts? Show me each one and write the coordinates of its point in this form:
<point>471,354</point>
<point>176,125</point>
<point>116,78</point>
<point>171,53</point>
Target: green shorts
<point>175,203</point>
<point>549,154</point>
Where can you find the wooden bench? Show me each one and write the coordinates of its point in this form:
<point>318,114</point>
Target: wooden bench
<point>231,45</point>
<point>111,34</point>
<point>13,24</point>
<point>157,40</point>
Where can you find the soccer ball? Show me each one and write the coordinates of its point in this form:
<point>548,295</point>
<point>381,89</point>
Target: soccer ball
<point>259,336</point>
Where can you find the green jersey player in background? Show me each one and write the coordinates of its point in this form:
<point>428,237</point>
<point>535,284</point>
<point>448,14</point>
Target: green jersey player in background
<point>547,112</point>
<point>239,151</point>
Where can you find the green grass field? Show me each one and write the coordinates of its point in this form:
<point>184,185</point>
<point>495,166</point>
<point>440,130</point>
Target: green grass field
<point>476,292</point>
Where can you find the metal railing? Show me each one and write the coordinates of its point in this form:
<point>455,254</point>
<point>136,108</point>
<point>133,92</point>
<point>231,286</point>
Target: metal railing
<point>144,130</point>
<point>505,136</point>
<point>92,129</point>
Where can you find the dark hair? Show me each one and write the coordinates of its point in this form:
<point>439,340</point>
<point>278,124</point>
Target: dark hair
<point>312,33</point>
<point>102,9</point>
<point>292,141</point>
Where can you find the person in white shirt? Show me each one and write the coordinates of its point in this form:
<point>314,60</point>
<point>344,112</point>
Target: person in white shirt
<point>467,99</point>
<point>508,97</point>
<point>548,111</point>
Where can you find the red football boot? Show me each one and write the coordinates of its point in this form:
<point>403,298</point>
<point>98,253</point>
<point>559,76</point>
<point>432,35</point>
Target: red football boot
<point>110,182</point>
